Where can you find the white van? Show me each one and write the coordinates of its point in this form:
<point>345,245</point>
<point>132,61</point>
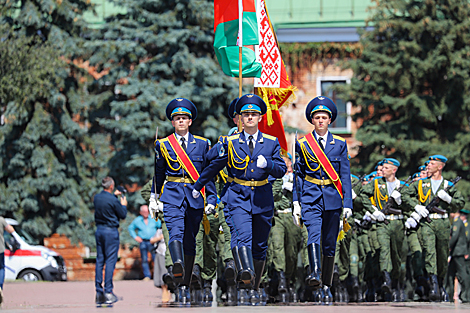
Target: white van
<point>29,262</point>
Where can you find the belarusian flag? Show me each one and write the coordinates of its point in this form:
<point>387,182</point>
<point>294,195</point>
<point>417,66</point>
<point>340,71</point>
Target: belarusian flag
<point>228,16</point>
<point>273,85</point>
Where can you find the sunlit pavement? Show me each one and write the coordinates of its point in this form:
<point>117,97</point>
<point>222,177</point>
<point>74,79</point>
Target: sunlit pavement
<point>143,297</point>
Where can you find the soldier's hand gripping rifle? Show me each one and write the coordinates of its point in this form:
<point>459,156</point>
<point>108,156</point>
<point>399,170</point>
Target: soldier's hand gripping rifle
<point>433,205</point>
<point>388,209</point>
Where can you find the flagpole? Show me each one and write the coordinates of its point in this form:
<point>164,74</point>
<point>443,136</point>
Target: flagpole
<point>240,55</point>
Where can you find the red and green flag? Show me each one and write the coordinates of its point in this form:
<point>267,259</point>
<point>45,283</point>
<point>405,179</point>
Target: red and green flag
<point>235,25</point>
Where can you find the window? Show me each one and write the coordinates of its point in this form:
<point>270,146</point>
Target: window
<point>342,124</point>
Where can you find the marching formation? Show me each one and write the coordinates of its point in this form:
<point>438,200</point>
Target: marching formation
<point>280,228</point>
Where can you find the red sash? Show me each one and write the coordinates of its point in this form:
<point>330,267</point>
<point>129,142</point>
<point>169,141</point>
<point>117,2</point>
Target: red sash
<point>325,162</point>
<point>185,161</point>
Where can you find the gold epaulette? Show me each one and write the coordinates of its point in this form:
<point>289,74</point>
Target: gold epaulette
<point>269,136</point>
<point>339,138</point>
<point>233,137</point>
<point>199,137</point>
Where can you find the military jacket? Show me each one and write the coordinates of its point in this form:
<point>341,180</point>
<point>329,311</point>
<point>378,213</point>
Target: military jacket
<point>336,151</point>
<point>241,165</point>
<point>376,193</point>
<point>168,166</point>
<point>420,192</point>
<point>458,239</point>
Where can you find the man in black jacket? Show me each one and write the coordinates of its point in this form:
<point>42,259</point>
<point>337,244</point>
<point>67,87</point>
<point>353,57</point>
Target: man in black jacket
<point>108,211</point>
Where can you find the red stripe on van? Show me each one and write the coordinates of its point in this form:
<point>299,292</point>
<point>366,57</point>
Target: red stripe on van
<point>23,253</point>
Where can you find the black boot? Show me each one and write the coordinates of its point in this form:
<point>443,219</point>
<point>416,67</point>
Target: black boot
<point>100,298</point>
<point>176,251</point>
<point>184,294</point>
<point>247,273</point>
<point>328,265</point>
<point>196,279</point>
<point>230,272</point>
<point>282,287</point>
<point>263,297</point>
<point>237,261</point>
<point>314,277</point>
<point>168,279</point>
<point>293,295</point>
<point>444,295</point>
<point>207,293</point>
<point>433,288</point>
<point>387,284</point>
<point>254,292</point>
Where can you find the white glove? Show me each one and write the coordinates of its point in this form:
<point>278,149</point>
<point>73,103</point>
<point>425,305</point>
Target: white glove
<point>261,162</point>
<point>195,193</point>
<point>370,216</point>
<point>366,217</point>
<point>296,213</point>
<point>444,196</point>
<point>416,216</point>
<point>379,216</point>
<point>353,194</point>
<point>410,223</point>
<point>210,209</point>
<point>153,207</point>
<point>396,195</point>
<point>288,186</point>
<point>347,213</point>
<point>340,224</point>
<point>421,210</point>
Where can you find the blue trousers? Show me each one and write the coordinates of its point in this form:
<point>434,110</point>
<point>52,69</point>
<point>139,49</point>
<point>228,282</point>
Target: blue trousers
<point>183,224</point>
<point>322,225</point>
<point>146,247</point>
<point>107,247</point>
<point>2,269</point>
<point>249,230</point>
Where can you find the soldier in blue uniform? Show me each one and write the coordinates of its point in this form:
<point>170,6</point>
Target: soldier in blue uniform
<point>182,213</point>
<point>325,189</point>
<point>251,157</point>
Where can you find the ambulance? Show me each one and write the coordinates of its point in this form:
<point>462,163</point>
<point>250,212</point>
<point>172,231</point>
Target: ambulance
<point>29,262</point>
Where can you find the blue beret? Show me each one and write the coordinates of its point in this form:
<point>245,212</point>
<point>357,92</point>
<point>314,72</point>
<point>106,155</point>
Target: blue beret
<point>232,131</point>
<point>391,161</point>
<point>422,168</point>
<point>250,103</point>
<point>181,106</point>
<point>415,175</point>
<point>319,104</point>
<point>438,157</point>
<point>373,174</point>
<point>426,163</point>
<point>354,176</point>
<point>231,108</point>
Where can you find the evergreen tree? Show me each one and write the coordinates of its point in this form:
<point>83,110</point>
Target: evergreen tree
<point>412,85</point>
<point>157,51</point>
<point>49,167</point>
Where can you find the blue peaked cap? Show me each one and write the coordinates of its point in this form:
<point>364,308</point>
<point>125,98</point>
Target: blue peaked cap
<point>181,106</point>
<point>250,103</point>
<point>231,108</point>
<point>319,104</point>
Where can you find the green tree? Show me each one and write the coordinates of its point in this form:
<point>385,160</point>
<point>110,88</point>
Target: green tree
<point>49,166</point>
<point>412,86</point>
<point>157,51</point>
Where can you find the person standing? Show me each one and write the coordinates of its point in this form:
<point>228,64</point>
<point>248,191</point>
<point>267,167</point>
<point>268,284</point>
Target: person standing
<point>324,191</point>
<point>142,229</point>
<point>180,158</point>
<point>159,264</point>
<point>108,211</point>
<point>433,234</point>
<point>251,157</point>
<point>4,226</point>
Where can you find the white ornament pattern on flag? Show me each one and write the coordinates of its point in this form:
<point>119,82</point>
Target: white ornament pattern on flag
<point>267,53</point>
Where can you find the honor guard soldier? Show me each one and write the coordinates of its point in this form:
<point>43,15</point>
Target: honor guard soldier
<point>434,228</point>
<point>390,232</point>
<point>251,157</point>
<point>180,158</point>
<point>323,168</point>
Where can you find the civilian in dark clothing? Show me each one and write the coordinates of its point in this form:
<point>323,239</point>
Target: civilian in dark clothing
<point>108,211</point>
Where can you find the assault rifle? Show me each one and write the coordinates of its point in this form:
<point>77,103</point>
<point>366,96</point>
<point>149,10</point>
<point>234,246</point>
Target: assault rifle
<point>433,205</point>
<point>387,209</point>
<point>358,182</point>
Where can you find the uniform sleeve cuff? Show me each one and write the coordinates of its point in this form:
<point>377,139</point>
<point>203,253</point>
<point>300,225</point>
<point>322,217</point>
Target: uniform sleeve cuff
<point>197,186</point>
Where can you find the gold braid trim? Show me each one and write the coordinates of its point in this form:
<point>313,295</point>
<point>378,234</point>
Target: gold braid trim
<point>232,154</point>
<point>378,195</point>
<point>308,156</point>
<point>223,176</point>
<point>423,198</point>
<point>167,157</point>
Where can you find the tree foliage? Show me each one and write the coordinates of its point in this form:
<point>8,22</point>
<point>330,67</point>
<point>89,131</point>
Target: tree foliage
<point>412,86</point>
